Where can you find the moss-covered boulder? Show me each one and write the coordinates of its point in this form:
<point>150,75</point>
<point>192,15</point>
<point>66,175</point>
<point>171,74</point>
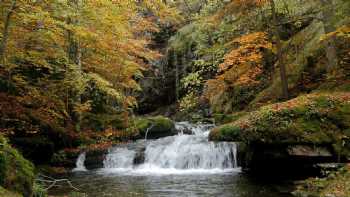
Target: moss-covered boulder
<point>310,119</point>
<point>227,118</point>
<point>155,127</point>
<point>309,129</point>
<point>16,173</point>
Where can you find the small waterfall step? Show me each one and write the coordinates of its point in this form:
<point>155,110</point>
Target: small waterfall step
<point>80,163</point>
<point>189,150</point>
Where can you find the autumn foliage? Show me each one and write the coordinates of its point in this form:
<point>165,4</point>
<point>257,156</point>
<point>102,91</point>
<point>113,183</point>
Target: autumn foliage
<point>69,67</point>
<point>238,7</point>
<point>242,68</point>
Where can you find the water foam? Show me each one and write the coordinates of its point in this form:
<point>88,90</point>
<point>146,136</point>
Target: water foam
<point>180,154</point>
<point>80,163</point>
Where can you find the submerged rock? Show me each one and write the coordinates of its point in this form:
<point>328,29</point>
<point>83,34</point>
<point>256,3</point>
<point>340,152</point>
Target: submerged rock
<point>139,157</point>
<point>94,158</point>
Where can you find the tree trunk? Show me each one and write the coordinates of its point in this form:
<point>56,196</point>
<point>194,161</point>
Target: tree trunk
<point>280,62</point>
<point>5,33</point>
<point>331,50</point>
<point>74,56</point>
<point>177,80</point>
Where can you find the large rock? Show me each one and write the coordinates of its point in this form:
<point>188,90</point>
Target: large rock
<point>293,136</point>
<point>155,127</point>
<point>308,151</point>
<point>279,160</point>
<point>94,158</point>
<point>140,156</point>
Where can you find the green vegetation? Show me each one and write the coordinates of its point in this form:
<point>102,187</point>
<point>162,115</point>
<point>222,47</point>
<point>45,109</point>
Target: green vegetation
<point>73,72</point>
<point>227,118</point>
<point>223,56</point>
<point>336,184</point>
<point>70,70</point>
<point>158,126</point>
<point>16,173</point>
<point>317,119</point>
<point>4,192</point>
<point>39,190</point>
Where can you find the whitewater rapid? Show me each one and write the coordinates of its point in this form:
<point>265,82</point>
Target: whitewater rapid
<point>189,152</point>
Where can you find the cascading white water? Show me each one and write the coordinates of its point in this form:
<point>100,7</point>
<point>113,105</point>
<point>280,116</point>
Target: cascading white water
<point>119,158</point>
<point>80,163</point>
<point>178,153</point>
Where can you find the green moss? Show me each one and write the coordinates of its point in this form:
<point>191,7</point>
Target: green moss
<point>345,108</point>
<point>230,130</point>
<point>337,184</point>
<point>16,173</point>
<point>226,118</point>
<point>6,193</point>
<point>307,125</point>
<point>320,119</point>
<point>158,125</point>
<point>142,124</point>
<point>163,122</point>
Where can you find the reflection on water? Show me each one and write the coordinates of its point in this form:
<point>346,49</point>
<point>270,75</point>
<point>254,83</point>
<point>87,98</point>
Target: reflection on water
<point>232,184</point>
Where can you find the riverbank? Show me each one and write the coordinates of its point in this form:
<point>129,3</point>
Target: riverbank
<point>336,184</point>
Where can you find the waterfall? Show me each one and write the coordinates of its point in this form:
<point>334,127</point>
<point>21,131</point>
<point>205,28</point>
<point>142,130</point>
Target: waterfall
<point>148,129</point>
<point>119,158</point>
<point>181,153</point>
<point>80,163</point>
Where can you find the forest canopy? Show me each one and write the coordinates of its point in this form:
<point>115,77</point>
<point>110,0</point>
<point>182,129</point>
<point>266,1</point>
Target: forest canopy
<point>74,57</point>
<point>84,75</point>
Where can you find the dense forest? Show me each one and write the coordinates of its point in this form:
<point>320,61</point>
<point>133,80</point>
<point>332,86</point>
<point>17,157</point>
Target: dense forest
<point>85,75</point>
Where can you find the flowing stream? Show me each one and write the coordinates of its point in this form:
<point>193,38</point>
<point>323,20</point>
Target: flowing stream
<point>186,164</point>
<point>80,163</point>
<point>183,153</point>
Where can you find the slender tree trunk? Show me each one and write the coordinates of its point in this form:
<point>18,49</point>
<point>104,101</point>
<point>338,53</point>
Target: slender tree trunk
<point>5,33</point>
<point>280,62</point>
<point>74,56</point>
<point>177,80</point>
<point>331,50</point>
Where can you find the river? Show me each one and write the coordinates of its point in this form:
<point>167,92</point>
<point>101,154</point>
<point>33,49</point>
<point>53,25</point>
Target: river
<point>183,165</point>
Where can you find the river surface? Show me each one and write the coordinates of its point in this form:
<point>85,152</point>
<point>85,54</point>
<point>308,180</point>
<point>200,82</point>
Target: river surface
<point>183,165</point>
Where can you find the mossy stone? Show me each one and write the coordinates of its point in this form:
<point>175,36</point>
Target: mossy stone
<point>319,119</point>
<point>159,126</point>
<point>16,173</point>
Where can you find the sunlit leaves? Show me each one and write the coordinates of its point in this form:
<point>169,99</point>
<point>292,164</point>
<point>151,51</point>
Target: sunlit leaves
<point>189,102</point>
<point>112,38</point>
<point>192,80</point>
<point>242,68</point>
